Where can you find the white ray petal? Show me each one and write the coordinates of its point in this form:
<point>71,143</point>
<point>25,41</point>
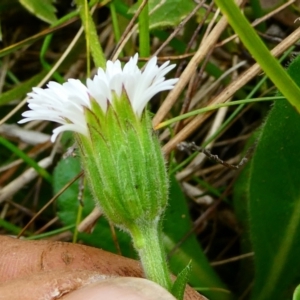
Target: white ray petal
<point>68,127</point>
<point>64,103</point>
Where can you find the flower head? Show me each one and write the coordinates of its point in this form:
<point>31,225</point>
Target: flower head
<point>66,103</point>
<point>121,156</point>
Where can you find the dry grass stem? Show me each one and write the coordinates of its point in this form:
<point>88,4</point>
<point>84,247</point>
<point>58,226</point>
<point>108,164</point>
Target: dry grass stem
<point>191,68</point>
<point>226,93</point>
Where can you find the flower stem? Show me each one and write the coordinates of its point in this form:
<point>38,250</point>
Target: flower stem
<point>148,242</point>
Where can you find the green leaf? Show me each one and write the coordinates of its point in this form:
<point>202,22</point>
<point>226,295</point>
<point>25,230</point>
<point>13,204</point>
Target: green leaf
<point>296,295</point>
<point>68,206</point>
<point>267,62</point>
<point>273,192</point>
<point>22,89</point>
<point>27,159</point>
<point>241,207</point>
<point>91,35</point>
<point>179,285</point>
<point>42,9</point>
<point>177,224</point>
<point>169,13</point>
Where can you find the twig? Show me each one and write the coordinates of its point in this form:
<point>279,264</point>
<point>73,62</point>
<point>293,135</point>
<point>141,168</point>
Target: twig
<point>184,146</point>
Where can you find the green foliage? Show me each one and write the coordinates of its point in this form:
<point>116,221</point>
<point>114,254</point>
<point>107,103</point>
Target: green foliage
<point>42,9</point>
<point>167,13</point>
<point>170,13</point>
<point>21,89</point>
<point>31,162</point>
<point>260,52</point>
<point>296,295</point>
<point>273,195</point>
<point>92,40</point>
<point>179,285</point>
<point>185,249</point>
<point>266,194</point>
<point>258,13</point>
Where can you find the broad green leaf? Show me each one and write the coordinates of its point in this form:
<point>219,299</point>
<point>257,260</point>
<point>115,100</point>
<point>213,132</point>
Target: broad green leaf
<point>42,9</point>
<point>241,207</point>
<point>273,192</point>
<point>168,13</point>
<point>177,224</point>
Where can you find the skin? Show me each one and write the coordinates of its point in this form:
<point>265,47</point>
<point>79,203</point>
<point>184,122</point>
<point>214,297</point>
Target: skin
<point>49,270</point>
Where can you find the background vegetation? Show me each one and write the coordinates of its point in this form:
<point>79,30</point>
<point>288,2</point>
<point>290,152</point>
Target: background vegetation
<point>239,226</point>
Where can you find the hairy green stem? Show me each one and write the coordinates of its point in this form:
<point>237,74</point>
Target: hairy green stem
<point>148,242</point>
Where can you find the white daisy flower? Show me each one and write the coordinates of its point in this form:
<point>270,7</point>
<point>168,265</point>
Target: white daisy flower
<point>65,103</point>
<point>121,157</point>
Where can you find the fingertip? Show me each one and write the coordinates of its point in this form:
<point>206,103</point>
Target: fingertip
<point>121,288</point>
